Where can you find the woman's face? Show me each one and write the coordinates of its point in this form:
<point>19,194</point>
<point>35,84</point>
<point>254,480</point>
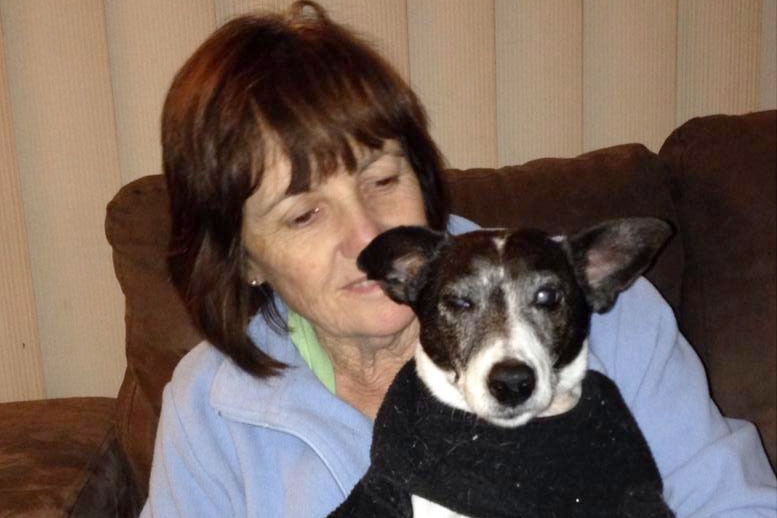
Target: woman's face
<point>305,245</point>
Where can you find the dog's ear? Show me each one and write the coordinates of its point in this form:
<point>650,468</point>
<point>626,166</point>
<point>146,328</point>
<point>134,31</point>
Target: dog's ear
<point>398,260</point>
<point>610,256</point>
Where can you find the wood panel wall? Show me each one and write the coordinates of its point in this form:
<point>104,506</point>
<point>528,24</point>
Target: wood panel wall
<point>504,81</point>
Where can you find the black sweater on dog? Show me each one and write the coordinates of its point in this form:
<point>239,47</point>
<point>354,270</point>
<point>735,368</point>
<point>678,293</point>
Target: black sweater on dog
<point>589,462</point>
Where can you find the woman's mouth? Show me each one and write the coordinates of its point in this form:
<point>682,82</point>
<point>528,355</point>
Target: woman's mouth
<point>362,286</point>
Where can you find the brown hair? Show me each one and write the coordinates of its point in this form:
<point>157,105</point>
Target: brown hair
<point>296,81</point>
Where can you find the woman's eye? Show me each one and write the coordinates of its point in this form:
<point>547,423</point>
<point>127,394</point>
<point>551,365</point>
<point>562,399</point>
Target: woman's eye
<point>304,218</point>
<point>384,182</point>
<point>457,303</point>
<point>547,297</point>
<point>389,180</point>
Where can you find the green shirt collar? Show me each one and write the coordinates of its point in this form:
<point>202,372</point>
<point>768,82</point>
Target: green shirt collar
<point>305,340</point>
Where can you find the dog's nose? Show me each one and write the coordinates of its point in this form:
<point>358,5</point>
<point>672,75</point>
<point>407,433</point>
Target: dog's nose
<point>511,382</point>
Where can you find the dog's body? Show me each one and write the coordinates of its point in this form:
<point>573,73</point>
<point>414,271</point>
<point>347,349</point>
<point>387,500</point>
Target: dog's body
<point>504,321</point>
<point>585,463</point>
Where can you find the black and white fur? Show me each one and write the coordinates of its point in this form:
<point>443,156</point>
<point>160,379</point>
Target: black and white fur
<point>505,314</point>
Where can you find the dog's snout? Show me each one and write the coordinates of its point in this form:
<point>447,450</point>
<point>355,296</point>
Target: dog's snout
<point>511,382</point>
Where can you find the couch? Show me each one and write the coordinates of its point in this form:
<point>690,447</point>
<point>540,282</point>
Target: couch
<point>713,178</point>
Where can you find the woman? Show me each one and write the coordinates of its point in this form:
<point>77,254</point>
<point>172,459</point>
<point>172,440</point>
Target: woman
<point>288,145</point>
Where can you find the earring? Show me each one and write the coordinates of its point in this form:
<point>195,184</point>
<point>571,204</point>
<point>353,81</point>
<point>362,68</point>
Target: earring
<point>254,283</point>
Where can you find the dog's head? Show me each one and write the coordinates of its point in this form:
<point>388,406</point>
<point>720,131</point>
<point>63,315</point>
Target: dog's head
<point>505,314</point>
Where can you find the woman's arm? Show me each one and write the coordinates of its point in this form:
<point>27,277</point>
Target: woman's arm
<point>711,465</point>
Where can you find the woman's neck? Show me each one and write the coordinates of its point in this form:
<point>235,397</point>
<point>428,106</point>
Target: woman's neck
<point>364,369</point>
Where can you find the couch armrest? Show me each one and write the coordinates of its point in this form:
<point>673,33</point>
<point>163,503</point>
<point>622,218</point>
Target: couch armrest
<point>158,329</point>
<point>60,457</point>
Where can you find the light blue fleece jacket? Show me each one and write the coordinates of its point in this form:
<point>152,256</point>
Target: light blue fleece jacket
<point>229,444</point>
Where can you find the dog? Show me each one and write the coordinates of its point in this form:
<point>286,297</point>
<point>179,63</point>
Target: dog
<point>504,319</point>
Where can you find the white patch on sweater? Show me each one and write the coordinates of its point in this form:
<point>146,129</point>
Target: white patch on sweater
<point>423,508</point>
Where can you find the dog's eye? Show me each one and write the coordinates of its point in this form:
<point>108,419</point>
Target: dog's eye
<point>457,303</point>
<point>547,297</point>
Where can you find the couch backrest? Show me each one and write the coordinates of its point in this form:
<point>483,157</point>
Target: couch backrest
<point>560,195</point>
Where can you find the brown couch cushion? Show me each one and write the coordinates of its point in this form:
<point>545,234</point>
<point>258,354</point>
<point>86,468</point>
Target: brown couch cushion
<point>563,195</point>
<point>724,170</point>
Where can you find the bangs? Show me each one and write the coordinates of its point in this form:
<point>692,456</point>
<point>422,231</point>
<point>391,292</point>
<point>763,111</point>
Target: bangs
<point>323,103</point>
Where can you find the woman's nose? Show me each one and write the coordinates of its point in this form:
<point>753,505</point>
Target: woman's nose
<point>361,227</point>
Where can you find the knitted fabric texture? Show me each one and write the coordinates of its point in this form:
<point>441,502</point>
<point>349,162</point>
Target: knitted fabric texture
<point>591,461</point>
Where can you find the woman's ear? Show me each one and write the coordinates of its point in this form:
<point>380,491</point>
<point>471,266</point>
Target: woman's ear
<point>251,272</point>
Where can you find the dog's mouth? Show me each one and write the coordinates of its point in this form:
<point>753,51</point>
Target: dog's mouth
<point>509,419</point>
<point>503,413</point>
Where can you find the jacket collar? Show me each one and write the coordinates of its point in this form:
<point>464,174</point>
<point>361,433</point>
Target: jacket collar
<point>297,403</point>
